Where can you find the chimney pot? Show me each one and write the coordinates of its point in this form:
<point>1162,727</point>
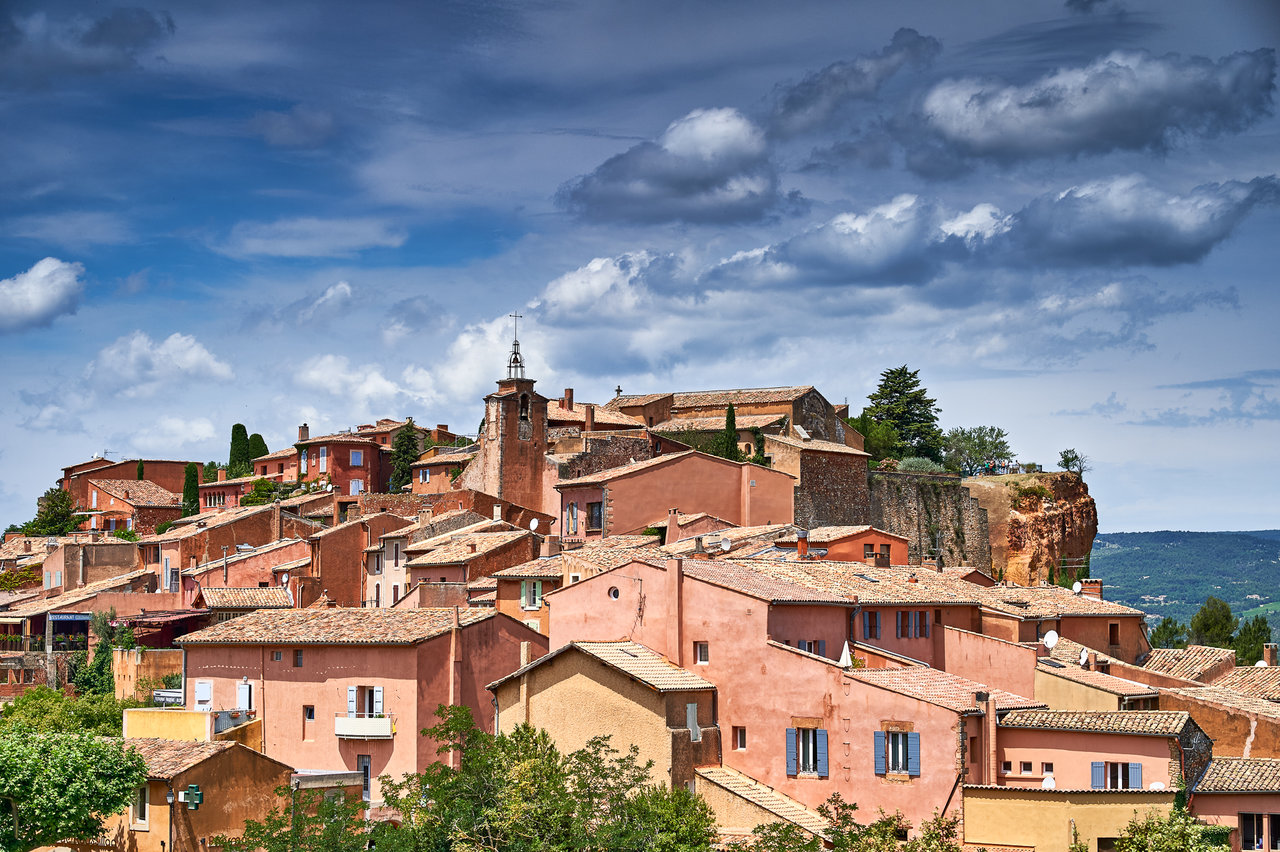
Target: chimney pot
<point>26,546</point>
<point>699,552</point>
<point>1091,661</point>
<point>497,511</point>
<point>567,402</point>
<point>1269,654</point>
<point>1091,588</point>
<point>912,578</point>
<point>304,432</point>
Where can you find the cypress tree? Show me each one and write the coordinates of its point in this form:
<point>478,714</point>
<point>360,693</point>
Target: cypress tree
<point>191,489</point>
<point>239,458</point>
<point>257,447</point>
<point>404,452</point>
<point>140,466</point>
<point>729,438</point>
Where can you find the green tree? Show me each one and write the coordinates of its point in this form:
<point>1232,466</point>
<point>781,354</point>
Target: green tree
<point>968,450</point>
<point>44,710</point>
<point>210,473</point>
<point>238,459</point>
<point>61,787</point>
<point>404,452</point>
<point>1213,625</point>
<point>163,527</point>
<point>879,439</point>
<point>1253,634</point>
<point>901,401</point>
<point>1178,831</point>
<point>1169,633</point>
<point>306,821</point>
<point>141,465</point>
<point>727,446</point>
<point>758,457</point>
<point>1074,462</point>
<point>191,489</point>
<point>257,447</point>
<point>55,514</point>
<point>846,834</point>
<point>126,535</point>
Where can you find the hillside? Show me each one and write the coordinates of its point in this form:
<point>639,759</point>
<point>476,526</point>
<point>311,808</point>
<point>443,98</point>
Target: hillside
<point>1170,573</point>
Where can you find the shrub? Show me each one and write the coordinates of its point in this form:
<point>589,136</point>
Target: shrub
<point>919,464</point>
<point>887,465</point>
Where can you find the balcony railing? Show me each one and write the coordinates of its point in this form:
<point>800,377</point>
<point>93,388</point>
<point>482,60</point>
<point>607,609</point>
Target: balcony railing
<point>364,726</point>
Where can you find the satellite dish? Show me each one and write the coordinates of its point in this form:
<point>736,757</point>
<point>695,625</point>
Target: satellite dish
<point>726,545</point>
<point>284,578</point>
<point>1050,639</point>
<point>1076,587</point>
<point>533,525</point>
<point>1157,785</point>
<point>1048,783</point>
<point>1261,664</point>
<point>1084,656</point>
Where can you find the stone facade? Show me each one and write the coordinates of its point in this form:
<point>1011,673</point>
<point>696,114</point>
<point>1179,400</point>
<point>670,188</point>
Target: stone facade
<point>920,506</point>
<point>832,490</point>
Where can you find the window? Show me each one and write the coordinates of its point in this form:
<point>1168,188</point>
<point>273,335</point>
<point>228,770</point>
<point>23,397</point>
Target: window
<point>571,521</point>
<point>691,722</point>
<point>530,594</point>
<point>357,458</point>
<point>138,810</point>
<point>524,406</point>
<point>1275,831</point>
<point>395,592</point>
<point>701,653</point>
<point>93,500</point>
<point>806,751</point>
<point>913,625</point>
<point>898,753</point>
<point>740,738</point>
<point>1250,831</point>
<point>595,516</point>
<point>303,463</point>
<point>1046,769</point>
<point>204,694</point>
<point>297,658</point>
<point>377,563</point>
<point>323,455</point>
<point>1007,767</point>
<point>871,625</point>
<point>362,766</point>
<point>308,712</point>
<point>1024,767</point>
<point>395,554</point>
<point>573,578</point>
<point>356,486</point>
<point>424,475</point>
<point>277,656</point>
<point>1116,776</point>
<point>1113,633</point>
<point>377,595</point>
<point>868,552</point>
<point>614,594</point>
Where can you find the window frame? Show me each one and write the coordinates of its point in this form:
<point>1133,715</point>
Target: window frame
<point>701,653</point>
<point>357,458</point>
<point>595,516</point>
<point>297,658</point>
<point>140,808</point>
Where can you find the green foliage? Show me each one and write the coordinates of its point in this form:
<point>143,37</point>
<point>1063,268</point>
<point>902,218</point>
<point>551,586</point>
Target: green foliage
<point>1214,624</point>
<point>969,450</point>
<point>238,459</point>
<point>1179,831</point>
<point>264,491</point>
<point>901,401</point>
<point>1072,461</point>
<point>846,834</point>
<point>879,439</point>
<point>1249,640</point>
<point>191,489</point>
<point>728,446</point>
<point>210,472</point>
<point>126,535</point>
<point>172,680</point>
<point>141,471</point>
<point>55,514</point>
<point>404,452</point>
<point>918,464</point>
<point>305,821</point>
<point>257,447</point>
<point>758,440</point>
<point>1027,497</point>
<point>62,787</point>
<point>17,578</point>
<point>1169,633</point>
<point>43,710</point>
<point>163,526</point>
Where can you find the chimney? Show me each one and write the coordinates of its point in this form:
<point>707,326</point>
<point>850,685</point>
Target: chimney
<point>567,402</point>
<point>989,733</point>
<point>526,653</point>
<point>471,546</point>
<point>497,511</point>
<point>304,432</point>
<point>551,545</point>
<point>589,414</point>
<point>26,546</point>
<point>675,607</point>
<point>1091,588</point>
<point>673,525</point>
<point>1091,661</point>
<point>222,474</point>
<point>912,578</point>
<point>1269,654</point>
<point>442,427</point>
<point>802,544</point>
<point>699,552</point>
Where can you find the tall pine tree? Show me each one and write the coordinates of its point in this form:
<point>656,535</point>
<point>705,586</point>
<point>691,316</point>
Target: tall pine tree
<point>903,403</point>
<point>238,461</point>
<point>404,452</point>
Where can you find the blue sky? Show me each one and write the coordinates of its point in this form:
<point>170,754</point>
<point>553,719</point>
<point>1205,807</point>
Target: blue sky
<point>1063,215</point>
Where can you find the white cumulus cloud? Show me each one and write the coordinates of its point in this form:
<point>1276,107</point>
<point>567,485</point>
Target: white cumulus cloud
<point>40,295</point>
<point>168,432</point>
<point>141,365</point>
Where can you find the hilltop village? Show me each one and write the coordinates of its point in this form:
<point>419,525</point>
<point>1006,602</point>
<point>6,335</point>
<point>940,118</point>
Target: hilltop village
<point>767,632</point>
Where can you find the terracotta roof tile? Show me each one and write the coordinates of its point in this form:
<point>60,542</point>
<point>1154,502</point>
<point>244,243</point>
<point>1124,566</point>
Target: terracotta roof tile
<point>738,396</point>
<point>739,538</point>
<point>874,586</point>
<point>632,659</point>
<point>625,470</point>
<point>1155,723</point>
<point>335,626</point>
<point>816,445</point>
<point>74,596</point>
<point>636,399</point>
<point>460,549</point>
<point>604,416</point>
<point>1241,775</point>
<point>139,492</point>
<point>223,597</point>
<point>278,454</point>
<point>1257,681</point>
<point>1228,698</point>
<point>938,687</point>
<point>1098,680</point>
<point>167,759</point>
<point>1190,663</point>
<point>828,535</point>
<point>779,804</point>
<point>538,568</point>
<point>774,587</point>
<point>429,543</point>
<point>715,423</point>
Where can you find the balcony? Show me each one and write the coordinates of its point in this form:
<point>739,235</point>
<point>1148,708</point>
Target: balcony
<point>364,726</point>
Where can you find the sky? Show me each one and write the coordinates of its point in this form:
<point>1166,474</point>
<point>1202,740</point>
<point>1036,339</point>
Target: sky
<point>1064,215</point>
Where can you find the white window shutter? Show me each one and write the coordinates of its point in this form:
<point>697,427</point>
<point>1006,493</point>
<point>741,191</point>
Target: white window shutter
<point>351,700</point>
<point>377,700</point>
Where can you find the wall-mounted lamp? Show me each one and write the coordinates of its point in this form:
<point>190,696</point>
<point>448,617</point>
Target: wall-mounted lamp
<point>168,797</point>
<point>244,679</point>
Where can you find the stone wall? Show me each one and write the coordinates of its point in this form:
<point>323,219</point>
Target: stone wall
<point>605,453</point>
<point>919,506</point>
<point>832,490</point>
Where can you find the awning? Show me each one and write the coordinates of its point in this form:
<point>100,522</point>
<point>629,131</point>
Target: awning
<point>8,619</point>
<point>71,616</point>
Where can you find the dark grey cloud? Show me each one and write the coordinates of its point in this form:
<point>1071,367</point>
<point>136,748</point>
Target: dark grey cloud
<point>1108,408</point>
<point>1126,100</point>
<point>817,100</point>
<point>1247,397</point>
<point>1085,7</point>
<point>710,166</point>
<point>38,47</point>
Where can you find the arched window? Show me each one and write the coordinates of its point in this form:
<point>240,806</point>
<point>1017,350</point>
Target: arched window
<point>524,406</point>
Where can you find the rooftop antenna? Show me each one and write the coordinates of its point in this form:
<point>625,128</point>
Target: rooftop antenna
<point>515,364</point>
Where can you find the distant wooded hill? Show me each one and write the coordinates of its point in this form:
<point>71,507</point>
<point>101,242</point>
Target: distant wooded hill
<point>1171,573</point>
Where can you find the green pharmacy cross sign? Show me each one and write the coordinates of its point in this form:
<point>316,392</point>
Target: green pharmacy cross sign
<point>192,797</point>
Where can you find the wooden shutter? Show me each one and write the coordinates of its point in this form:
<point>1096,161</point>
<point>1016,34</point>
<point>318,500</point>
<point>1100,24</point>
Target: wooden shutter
<point>377,700</point>
<point>351,700</point>
<point>913,754</point>
<point>792,761</point>
<point>204,692</point>
<point>1135,776</point>
<point>822,650</point>
<point>878,748</point>
<point>924,623</point>
<point>866,625</point>
<point>1098,773</point>
<point>524,593</point>
<point>876,623</point>
<point>822,752</point>
<point>899,615</point>
<point>537,592</point>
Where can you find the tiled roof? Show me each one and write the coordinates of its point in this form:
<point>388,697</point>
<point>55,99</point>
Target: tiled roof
<point>17,547</point>
<point>625,470</point>
<point>1228,698</point>
<point>634,541</point>
<point>1258,681</point>
<point>191,526</point>
<point>167,759</point>
<point>235,557</point>
<point>460,550</point>
<point>1047,602</point>
<point>338,438</point>
<point>139,492</point>
<point>1098,680</point>
<point>425,545</point>
<point>774,587</point>
<point>1191,662</point>
<point>1155,723</point>
<point>632,659</point>
<point>739,538</point>
<point>737,396</point>
<point>816,445</point>
<point>603,416</point>
<point>1241,775</point>
<point>336,626</point>
<point>636,399</point>
<point>460,456</point>
<point>715,423</point>
<point>538,568</point>
<point>483,584</point>
<point>827,535</point>
<point>74,596</point>
<point>683,519</point>
<point>874,586</point>
<point>278,454</point>
<point>938,687</point>
<point>780,805</point>
<point>272,597</point>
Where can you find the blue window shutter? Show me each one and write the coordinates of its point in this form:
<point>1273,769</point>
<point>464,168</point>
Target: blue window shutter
<point>924,618</point>
<point>866,625</point>
<point>899,614</point>
<point>879,749</point>
<point>1098,771</point>
<point>913,631</point>
<point>1135,776</point>
<point>791,751</point>
<point>913,754</point>
<point>822,752</point>
<point>877,625</point>
<point>822,647</point>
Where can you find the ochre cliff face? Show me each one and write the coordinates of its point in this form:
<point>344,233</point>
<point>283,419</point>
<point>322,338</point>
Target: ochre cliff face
<point>1035,521</point>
